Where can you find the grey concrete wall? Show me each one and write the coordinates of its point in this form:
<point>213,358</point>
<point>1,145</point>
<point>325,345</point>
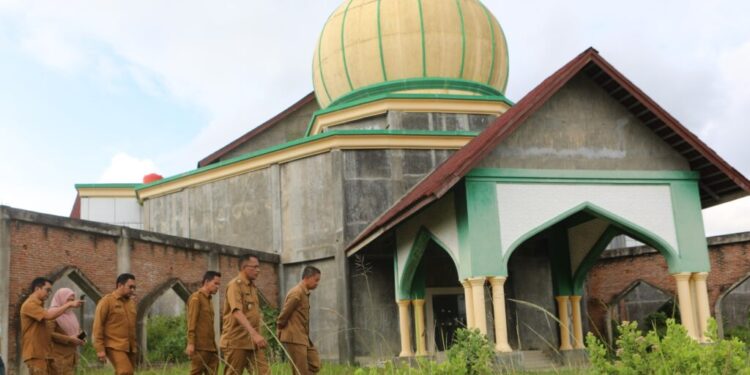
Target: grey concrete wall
<point>582,127</point>
<point>374,310</point>
<point>288,129</point>
<point>236,211</point>
<point>375,179</point>
<point>735,307</point>
<point>311,209</point>
<point>530,280</point>
<point>326,318</point>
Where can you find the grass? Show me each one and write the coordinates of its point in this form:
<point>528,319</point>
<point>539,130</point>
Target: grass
<point>283,369</point>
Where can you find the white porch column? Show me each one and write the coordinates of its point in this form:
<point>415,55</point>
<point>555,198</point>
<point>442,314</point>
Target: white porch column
<point>575,304</point>
<point>419,334</point>
<point>405,327</point>
<point>562,312</point>
<point>480,314</point>
<point>701,296</point>
<point>498,305</point>
<point>469,301</point>
<point>684,297</point>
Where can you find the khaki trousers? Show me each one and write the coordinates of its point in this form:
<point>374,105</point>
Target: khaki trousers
<point>237,360</point>
<point>303,359</point>
<point>64,365</point>
<point>204,363</point>
<point>123,362</point>
<point>39,366</point>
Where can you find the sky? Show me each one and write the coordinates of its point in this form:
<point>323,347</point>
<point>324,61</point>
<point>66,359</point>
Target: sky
<point>108,91</point>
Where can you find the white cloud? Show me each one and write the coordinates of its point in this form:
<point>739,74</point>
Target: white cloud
<point>126,168</point>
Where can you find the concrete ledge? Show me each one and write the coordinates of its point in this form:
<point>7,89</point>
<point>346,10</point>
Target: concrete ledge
<point>573,358</point>
<point>118,231</point>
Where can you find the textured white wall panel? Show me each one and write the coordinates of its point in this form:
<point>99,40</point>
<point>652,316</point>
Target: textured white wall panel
<point>523,207</point>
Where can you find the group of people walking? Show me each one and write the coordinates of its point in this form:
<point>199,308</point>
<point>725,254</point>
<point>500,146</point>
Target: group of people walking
<point>51,337</point>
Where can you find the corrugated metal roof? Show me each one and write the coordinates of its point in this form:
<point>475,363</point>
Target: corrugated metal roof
<point>719,182</point>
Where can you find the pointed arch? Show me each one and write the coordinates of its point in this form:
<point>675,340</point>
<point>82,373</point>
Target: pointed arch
<point>632,229</point>
<point>79,279</point>
<point>411,266</point>
<point>145,304</point>
<point>718,310</point>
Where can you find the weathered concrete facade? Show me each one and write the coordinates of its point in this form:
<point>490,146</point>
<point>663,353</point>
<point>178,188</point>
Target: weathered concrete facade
<point>92,254</point>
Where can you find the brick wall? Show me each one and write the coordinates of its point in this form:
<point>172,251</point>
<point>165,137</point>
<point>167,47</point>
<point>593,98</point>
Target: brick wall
<point>618,269</point>
<point>46,245</point>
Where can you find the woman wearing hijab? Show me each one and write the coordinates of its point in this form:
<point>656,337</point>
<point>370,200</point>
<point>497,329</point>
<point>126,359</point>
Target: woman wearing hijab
<point>65,330</point>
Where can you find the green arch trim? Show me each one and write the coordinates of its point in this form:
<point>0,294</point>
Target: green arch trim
<point>492,34</point>
<point>416,84</point>
<point>413,261</point>
<point>320,65</point>
<point>463,38</point>
<point>424,44</point>
<point>579,275</point>
<point>380,46</point>
<point>635,230</point>
<point>343,48</point>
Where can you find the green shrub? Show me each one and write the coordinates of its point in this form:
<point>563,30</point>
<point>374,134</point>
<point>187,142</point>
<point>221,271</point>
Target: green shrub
<point>674,353</point>
<point>167,338</point>
<point>471,352</point>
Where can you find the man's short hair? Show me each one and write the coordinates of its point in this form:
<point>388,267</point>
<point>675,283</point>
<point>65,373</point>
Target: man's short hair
<point>39,282</point>
<point>310,271</point>
<point>210,275</point>
<point>246,258</point>
<point>123,278</point>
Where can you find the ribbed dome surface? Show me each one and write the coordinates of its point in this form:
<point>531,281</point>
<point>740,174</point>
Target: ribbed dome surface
<point>369,47</point>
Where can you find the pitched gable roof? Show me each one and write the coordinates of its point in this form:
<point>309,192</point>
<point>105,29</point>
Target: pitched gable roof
<point>718,182</point>
<point>214,157</point>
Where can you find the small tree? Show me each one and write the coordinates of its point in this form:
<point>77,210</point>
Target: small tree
<point>674,353</point>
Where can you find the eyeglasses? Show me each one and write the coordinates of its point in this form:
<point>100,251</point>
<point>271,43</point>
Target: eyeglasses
<point>132,287</point>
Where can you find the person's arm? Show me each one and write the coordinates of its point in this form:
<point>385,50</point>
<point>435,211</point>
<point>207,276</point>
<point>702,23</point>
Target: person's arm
<point>234,299</point>
<point>290,304</point>
<point>62,338</point>
<point>100,316</point>
<point>55,312</point>
<point>254,335</point>
<point>193,311</point>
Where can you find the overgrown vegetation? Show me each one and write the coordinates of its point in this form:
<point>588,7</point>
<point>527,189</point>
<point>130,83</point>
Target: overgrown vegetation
<point>167,336</point>
<point>741,332</point>
<point>674,353</point>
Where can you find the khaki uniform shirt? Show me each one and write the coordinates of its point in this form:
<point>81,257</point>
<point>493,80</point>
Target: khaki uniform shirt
<point>240,295</point>
<point>36,342</point>
<point>114,324</point>
<point>200,322</point>
<point>62,344</point>
<point>294,319</point>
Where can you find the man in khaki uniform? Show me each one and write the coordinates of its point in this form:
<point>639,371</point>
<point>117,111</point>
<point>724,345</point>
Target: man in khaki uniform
<point>293,325</point>
<point>241,341</point>
<point>36,340</point>
<point>201,344</point>
<point>114,326</point>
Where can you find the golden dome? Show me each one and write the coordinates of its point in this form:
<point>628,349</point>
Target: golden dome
<point>443,47</point>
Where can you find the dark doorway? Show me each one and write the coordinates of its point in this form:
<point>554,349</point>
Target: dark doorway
<point>450,314</point>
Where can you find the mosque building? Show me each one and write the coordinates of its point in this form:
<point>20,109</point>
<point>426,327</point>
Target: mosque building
<point>431,201</point>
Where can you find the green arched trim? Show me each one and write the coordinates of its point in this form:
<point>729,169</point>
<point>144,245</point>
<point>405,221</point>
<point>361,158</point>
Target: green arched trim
<point>579,275</point>
<point>413,261</point>
<point>424,44</point>
<point>343,48</point>
<point>492,33</point>
<point>380,46</point>
<point>416,84</point>
<point>463,38</point>
<point>635,230</point>
<point>320,65</point>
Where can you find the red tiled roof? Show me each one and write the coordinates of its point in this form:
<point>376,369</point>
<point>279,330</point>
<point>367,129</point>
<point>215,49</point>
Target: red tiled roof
<point>260,129</point>
<point>718,180</point>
